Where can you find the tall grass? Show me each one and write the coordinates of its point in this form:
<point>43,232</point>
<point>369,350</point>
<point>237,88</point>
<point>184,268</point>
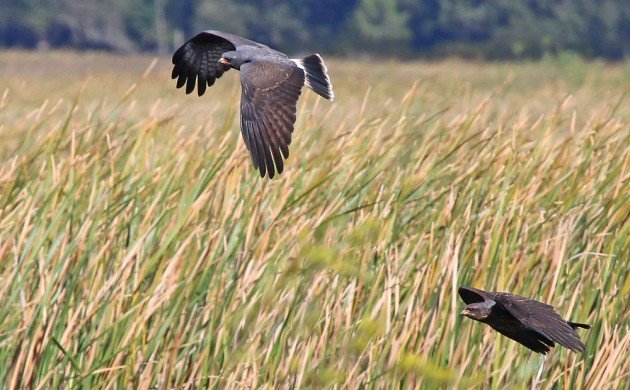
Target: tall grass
<point>139,248</point>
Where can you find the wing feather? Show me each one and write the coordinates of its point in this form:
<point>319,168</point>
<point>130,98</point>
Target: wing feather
<point>530,339</point>
<point>196,62</point>
<point>541,318</point>
<point>271,89</point>
<point>473,295</point>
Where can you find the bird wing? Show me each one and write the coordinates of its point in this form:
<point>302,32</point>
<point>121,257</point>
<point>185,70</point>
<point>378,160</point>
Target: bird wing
<point>197,60</point>
<point>235,39</point>
<point>540,318</point>
<point>529,338</point>
<point>271,88</point>
<point>473,295</point>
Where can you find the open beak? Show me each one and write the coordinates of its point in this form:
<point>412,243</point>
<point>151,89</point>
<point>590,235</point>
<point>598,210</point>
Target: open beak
<point>224,61</point>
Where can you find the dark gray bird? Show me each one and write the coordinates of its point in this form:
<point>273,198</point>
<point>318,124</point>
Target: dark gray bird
<point>271,84</point>
<point>534,324</point>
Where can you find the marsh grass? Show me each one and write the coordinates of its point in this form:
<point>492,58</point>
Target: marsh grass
<point>139,248</point>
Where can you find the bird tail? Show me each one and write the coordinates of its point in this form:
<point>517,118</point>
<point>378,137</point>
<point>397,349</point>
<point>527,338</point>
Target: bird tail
<point>316,75</point>
<point>576,325</point>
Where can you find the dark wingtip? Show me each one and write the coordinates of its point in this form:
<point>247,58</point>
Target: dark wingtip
<point>578,347</point>
<point>191,82</point>
<point>271,171</point>
<point>471,295</point>
<point>576,325</point>
<point>542,346</point>
<point>262,169</point>
<point>181,81</point>
<point>463,288</point>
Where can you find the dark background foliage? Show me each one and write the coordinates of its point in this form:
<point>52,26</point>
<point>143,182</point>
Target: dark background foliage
<point>491,29</point>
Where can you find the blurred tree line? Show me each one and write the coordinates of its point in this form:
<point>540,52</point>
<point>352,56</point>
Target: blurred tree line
<point>471,28</point>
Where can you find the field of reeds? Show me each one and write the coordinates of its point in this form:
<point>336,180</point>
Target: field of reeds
<point>140,249</point>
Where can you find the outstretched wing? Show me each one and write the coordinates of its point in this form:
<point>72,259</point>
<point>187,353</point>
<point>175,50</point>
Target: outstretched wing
<point>271,89</point>
<point>473,295</point>
<point>529,338</point>
<point>540,318</point>
<point>197,60</point>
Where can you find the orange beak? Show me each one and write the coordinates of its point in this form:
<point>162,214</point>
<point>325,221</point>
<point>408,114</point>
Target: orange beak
<point>224,61</point>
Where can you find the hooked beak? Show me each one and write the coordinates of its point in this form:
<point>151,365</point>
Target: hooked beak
<point>224,61</point>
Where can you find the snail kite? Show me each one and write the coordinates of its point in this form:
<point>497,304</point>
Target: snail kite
<point>534,324</point>
<point>271,84</point>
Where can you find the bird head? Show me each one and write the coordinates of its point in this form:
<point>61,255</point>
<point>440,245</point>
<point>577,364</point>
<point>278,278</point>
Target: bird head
<point>226,59</point>
<point>234,59</point>
<point>478,311</point>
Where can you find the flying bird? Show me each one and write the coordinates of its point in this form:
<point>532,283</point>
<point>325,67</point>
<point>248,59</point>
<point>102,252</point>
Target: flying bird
<point>271,85</point>
<point>534,324</point>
